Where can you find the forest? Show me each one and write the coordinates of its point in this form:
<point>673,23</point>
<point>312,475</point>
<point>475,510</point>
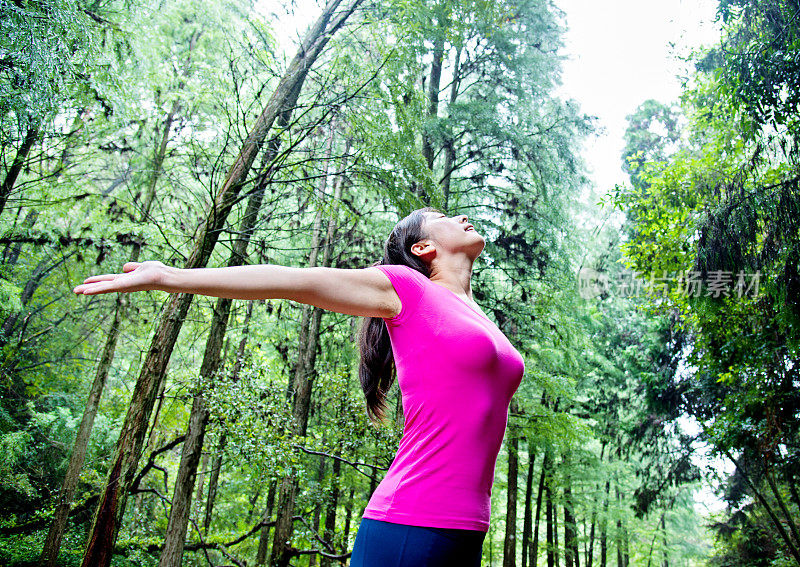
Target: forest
<point>659,319</point>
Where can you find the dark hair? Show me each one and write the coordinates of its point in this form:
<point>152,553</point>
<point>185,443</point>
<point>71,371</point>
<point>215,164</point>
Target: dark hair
<point>376,369</point>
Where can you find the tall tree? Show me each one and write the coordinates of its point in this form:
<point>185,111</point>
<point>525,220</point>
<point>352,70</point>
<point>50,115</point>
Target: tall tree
<point>193,444</point>
<point>112,503</point>
<point>53,542</point>
<point>302,381</point>
<point>510,540</point>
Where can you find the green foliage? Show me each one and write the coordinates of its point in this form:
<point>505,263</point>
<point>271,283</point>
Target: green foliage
<point>757,60</point>
<point>724,200</point>
<point>15,447</point>
<point>48,48</point>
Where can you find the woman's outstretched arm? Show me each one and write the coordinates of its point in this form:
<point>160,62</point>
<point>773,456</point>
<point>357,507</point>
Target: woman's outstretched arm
<point>366,292</point>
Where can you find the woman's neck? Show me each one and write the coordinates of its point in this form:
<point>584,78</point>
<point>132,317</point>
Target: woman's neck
<point>453,272</point>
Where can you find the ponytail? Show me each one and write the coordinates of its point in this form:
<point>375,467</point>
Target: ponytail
<point>376,370</point>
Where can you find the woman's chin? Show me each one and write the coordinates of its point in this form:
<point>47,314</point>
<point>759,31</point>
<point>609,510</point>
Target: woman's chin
<point>477,248</point>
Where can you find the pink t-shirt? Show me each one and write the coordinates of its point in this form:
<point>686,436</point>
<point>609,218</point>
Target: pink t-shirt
<point>457,373</point>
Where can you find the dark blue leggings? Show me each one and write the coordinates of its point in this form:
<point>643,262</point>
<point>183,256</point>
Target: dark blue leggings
<point>383,544</point>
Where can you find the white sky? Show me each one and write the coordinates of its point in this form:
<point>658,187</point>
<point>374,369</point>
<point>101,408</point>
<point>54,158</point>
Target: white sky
<point>621,53</point>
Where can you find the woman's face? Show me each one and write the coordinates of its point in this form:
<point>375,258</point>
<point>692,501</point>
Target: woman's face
<point>453,234</point>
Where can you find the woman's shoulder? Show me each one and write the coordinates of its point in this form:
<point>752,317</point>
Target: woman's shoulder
<point>403,271</point>
<point>410,285</point>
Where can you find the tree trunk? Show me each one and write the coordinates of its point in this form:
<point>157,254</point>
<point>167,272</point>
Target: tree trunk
<point>330,513</point>
<point>201,484</point>
<point>108,517</point>
<point>42,270</point>
<point>309,312</point>
<point>434,84</point>
<point>251,514</point>
<point>31,137</point>
<point>175,536</point>
<point>556,549</point>
<point>604,528</point>
<point>622,530</point>
<point>527,521</point>
<point>490,537</point>
<point>312,559</point>
<point>348,516</point>
<point>303,383</point>
<point>154,438</point>
<point>213,482</point>
<point>793,549</point>
<point>789,478</point>
<point>782,505</point>
<point>585,541</point>
<point>550,517</point>
<point>52,544</point>
<point>373,483</point>
<point>626,555</point>
<point>30,140</point>
<point>510,541</point>
<point>449,143</point>
<point>216,465</point>
<point>11,253</point>
<point>590,543</point>
<point>281,551</point>
<point>301,400</point>
<point>71,141</point>
<point>621,536</point>
<point>571,556</point>
<point>263,537</point>
<point>534,550</point>
<point>153,441</point>
<point>590,547</point>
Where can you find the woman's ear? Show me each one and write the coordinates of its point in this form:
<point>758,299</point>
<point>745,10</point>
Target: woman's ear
<point>424,249</point>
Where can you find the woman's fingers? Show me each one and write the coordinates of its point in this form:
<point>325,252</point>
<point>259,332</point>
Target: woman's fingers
<point>101,278</point>
<point>127,268</point>
<point>104,283</point>
<point>94,288</point>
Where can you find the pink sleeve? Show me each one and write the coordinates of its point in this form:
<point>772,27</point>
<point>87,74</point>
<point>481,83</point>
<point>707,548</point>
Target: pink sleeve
<point>409,285</point>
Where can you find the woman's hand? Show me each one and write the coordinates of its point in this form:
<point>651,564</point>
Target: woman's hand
<point>136,276</point>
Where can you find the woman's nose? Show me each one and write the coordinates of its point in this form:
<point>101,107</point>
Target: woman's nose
<point>462,218</point>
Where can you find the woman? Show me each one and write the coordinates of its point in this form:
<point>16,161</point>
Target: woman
<point>456,371</point>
